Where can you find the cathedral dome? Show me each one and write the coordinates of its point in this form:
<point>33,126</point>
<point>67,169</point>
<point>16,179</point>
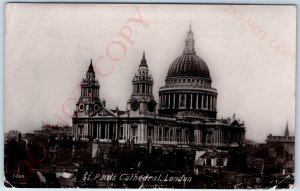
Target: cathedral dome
<point>189,64</point>
<point>187,92</point>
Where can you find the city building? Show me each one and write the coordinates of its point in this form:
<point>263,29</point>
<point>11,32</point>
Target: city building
<point>210,161</point>
<point>12,134</point>
<point>282,150</point>
<point>184,116</point>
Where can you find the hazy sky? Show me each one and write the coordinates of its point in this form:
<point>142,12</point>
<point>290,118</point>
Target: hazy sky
<point>250,51</point>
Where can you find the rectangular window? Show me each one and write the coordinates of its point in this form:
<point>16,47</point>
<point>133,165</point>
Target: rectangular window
<point>150,132</point>
<point>220,162</point>
<point>166,134</point>
<point>133,132</point>
<point>159,133</point>
<point>186,136</point>
<point>171,134</point>
<point>143,88</point>
<point>208,162</point>
<point>178,135</point>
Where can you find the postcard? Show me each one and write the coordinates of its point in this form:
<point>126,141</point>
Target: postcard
<point>198,96</point>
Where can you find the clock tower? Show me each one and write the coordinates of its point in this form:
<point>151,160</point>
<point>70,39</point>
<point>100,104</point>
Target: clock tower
<point>142,101</point>
<point>89,101</point>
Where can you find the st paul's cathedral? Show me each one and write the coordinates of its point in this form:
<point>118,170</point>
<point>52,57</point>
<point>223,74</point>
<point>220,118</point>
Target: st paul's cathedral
<point>185,114</point>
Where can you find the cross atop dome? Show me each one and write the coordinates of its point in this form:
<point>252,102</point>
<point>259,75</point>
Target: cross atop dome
<point>189,42</point>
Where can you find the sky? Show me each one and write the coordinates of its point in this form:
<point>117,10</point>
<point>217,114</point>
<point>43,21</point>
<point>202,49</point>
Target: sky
<point>250,52</point>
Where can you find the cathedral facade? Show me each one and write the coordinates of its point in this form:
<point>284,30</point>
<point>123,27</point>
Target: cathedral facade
<point>185,114</point>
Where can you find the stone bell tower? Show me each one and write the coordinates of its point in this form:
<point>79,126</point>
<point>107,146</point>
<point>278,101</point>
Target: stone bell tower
<point>142,101</point>
<point>89,100</point>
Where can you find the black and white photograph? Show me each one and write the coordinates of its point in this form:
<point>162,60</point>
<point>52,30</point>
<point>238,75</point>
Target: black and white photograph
<point>185,96</point>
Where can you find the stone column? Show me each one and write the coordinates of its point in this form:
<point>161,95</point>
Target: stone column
<point>106,130</point>
<point>174,134</point>
<point>96,130</point>
<point>219,136</point>
<point>222,137</point>
<point>161,129</point>
<point>99,130</point>
<point>169,101</point>
<point>211,102</point>
<point>99,125</point>
<point>197,101</point>
<point>191,105</point>
<point>154,134</point>
<point>185,101</point>
<point>202,100</point>
<point>141,87</point>
<point>200,136</point>
<point>116,130</point>
<point>148,92</point>
<point>174,100</point>
<point>215,104</point>
<point>146,133</point>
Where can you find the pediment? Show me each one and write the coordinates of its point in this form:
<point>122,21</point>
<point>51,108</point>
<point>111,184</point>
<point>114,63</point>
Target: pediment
<point>103,112</point>
<point>235,123</point>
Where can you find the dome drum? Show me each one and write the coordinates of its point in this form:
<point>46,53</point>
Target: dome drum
<point>174,101</point>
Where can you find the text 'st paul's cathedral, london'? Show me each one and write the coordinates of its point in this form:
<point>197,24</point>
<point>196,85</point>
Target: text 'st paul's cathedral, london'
<point>184,116</point>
